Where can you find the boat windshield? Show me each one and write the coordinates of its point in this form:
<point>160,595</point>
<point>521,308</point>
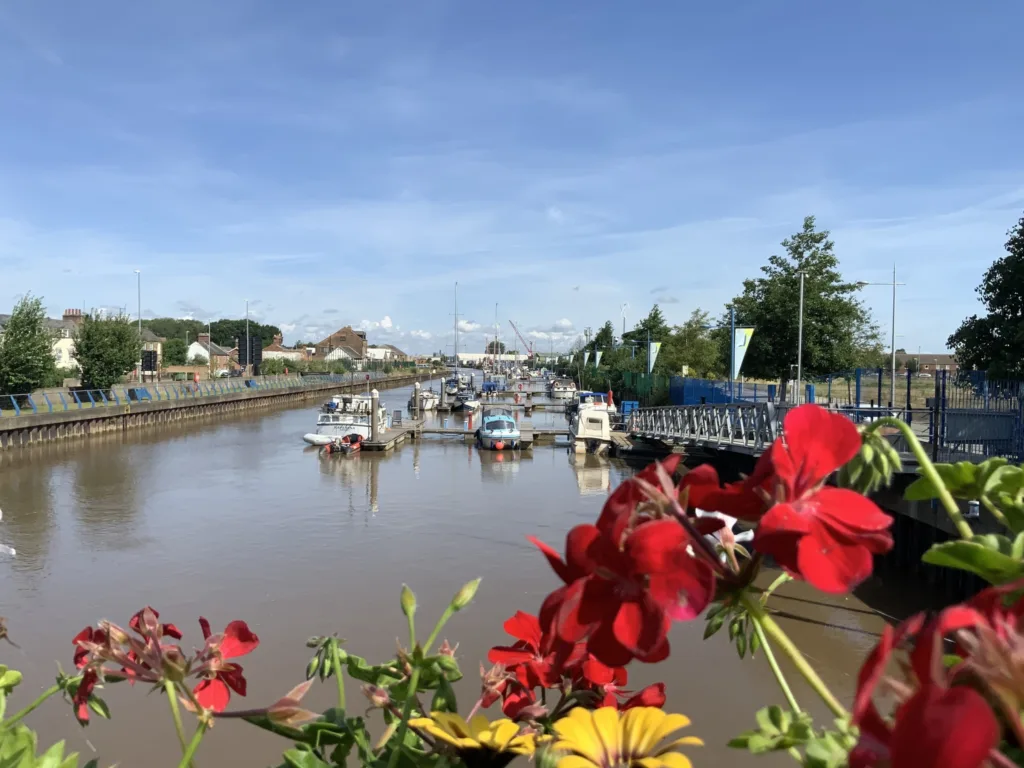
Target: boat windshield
<point>503,424</point>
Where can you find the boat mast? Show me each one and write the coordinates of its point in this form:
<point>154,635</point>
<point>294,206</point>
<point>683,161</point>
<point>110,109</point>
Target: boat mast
<point>456,331</point>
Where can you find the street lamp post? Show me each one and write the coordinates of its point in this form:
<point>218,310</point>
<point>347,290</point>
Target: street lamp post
<point>800,342</point>
<point>892,343</point>
<point>138,285</point>
<point>248,348</point>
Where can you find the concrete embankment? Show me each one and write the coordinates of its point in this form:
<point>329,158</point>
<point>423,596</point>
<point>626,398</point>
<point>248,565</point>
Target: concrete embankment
<point>96,419</point>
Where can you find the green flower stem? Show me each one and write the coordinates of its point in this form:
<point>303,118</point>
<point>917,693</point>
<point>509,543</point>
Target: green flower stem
<point>339,673</point>
<point>31,707</point>
<point>995,511</point>
<point>774,631</point>
<point>781,678</point>
<point>186,759</point>
<point>448,613</point>
<point>927,469</point>
<point>414,682</point>
<point>172,699</point>
<point>781,579</point>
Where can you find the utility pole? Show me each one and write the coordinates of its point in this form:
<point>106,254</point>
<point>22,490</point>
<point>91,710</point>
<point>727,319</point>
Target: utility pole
<point>800,342</point>
<point>248,347</point>
<point>138,280</point>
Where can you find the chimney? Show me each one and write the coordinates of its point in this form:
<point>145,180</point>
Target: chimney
<point>204,339</point>
<point>72,316</point>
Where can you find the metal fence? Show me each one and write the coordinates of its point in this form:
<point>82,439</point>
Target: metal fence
<point>684,390</point>
<point>79,398</point>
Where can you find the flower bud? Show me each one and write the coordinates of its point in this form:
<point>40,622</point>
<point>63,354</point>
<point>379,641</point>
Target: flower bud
<point>465,595</point>
<point>379,697</point>
<point>288,710</point>
<point>408,601</point>
<point>873,467</point>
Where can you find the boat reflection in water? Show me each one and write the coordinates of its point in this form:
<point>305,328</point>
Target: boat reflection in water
<point>500,467</point>
<point>593,473</point>
<point>362,472</point>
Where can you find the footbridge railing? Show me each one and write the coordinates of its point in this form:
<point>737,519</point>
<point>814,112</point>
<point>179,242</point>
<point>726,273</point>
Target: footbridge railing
<point>746,427</point>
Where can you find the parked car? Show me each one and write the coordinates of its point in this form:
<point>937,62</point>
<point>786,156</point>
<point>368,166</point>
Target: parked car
<point>924,375</point>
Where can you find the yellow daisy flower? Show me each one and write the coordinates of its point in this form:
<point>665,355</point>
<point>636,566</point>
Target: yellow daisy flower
<point>604,738</point>
<point>479,739</point>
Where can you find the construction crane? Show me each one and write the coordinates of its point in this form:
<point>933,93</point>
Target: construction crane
<point>529,347</point>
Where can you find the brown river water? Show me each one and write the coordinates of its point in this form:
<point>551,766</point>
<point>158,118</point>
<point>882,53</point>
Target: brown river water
<point>237,519</point>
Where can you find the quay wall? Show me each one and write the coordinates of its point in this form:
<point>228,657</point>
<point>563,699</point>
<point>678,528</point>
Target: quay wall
<point>28,428</point>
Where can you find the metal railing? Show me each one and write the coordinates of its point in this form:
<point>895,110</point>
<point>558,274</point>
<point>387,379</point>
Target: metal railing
<point>948,436</point>
<point>72,399</point>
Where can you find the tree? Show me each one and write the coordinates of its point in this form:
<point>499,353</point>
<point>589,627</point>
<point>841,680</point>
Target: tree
<point>199,359</point>
<point>694,346</point>
<point>604,339</point>
<point>175,351</point>
<point>912,364</point>
<point>26,349</point>
<point>654,325</point>
<point>106,348</point>
<point>495,348</point>
<point>837,326</point>
<point>995,342</point>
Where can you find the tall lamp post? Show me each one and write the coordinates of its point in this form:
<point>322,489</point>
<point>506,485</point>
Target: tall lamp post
<point>892,343</point>
<point>138,286</point>
<point>800,342</point>
<point>248,348</point>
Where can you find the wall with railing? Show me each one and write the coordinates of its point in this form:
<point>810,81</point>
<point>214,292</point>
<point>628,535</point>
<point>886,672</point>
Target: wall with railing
<point>76,398</point>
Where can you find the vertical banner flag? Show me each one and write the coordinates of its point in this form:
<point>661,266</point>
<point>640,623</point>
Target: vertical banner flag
<point>740,344</point>
<point>586,358</point>
<point>652,354</point>
<point>597,357</point>
<point>570,359</point>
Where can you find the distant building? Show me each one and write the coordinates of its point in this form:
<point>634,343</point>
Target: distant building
<point>205,349</point>
<point>63,330</point>
<point>346,353</point>
<point>345,337</point>
<point>396,354</point>
<point>929,363</point>
<point>153,343</point>
<point>278,351</point>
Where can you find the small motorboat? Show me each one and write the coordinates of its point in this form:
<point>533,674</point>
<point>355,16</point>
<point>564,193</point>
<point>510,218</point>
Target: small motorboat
<point>466,400</point>
<point>428,400</point>
<point>562,389</point>
<point>346,445</point>
<point>498,430</point>
<point>590,430</point>
<point>344,415</point>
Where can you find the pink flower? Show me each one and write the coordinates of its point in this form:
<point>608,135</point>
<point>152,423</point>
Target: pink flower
<point>221,676</point>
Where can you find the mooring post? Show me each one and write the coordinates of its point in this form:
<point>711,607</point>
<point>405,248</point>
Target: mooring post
<point>416,400</point>
<point>444,393</point>
<point>375,416</point>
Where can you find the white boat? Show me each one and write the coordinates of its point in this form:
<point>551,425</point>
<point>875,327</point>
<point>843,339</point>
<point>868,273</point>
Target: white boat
<point>498,430</point>
<point>590,431</point>
<point>563,389</point>
<point>466,400</point>
<point>592,401</point>
<point>428,400</point>
<point>343,416</point>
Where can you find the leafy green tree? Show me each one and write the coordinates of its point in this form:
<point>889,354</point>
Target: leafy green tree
<point>837,326</point>
<point>106,348</point>
<point>912,364</point>
<point>604,339</point>
<point>654,324</point>
<point>273,366</point>
<point>495,348</point>
<point>175,351</point>
<point>26,349</point>
<point>694,346</point>
<point>995,342</point>
<point>199,359</point>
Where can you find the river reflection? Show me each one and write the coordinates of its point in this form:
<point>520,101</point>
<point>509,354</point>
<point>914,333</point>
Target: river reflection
<point>235,519</point>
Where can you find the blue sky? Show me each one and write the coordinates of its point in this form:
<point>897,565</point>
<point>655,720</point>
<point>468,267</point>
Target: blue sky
<point>346,162</point>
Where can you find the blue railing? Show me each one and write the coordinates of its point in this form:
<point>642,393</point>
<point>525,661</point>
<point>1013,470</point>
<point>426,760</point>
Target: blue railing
<point>73,399</point>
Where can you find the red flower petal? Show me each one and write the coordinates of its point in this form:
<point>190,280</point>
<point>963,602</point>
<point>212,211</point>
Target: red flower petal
<point>516,701</point>
<point>737,500</point>
<point>82,694</point>
<point>818,442</point>
<point>169,630</point>
<point>684,593</point>
<point>554,559</point>
<point>874,665</point>
<point>604,646</point>
<point>640,626</point>
<point>944,728</point>
<point>596,673</point>
<point>234,678</point>
<point>205,626</point>
<point>651,696</point>
<point>584,548</point>
<point>568,624</point>
<point>956,617</point>
<point>238,640</point>
<point>212,694</point>
<point>652,546</point>
<point>524,626</point>
<point>509,656</point>
<point>832,564</point>
<point>849,511</point>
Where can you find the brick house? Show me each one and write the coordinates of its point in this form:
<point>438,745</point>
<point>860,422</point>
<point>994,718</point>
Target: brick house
<point>928,363</point>
<point>277,350</point>
<point>345,337</point>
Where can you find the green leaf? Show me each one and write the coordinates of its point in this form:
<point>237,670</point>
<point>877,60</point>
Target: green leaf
<point>983,556</point>
<point>299,758</point>
<point>769,720</point>
<point>714,624</point>
<point>741,644</point>
<point>444,699</point>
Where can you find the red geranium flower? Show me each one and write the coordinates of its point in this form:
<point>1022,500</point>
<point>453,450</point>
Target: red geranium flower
<point>825,535</point>
<point>222,677</point>
<point>164,630</point>
<point>936,725</point>
<point>610,685</point>
<point>82,694</point>
<point>624,586</point>
<point>87,635</point>
<point>524,658</point>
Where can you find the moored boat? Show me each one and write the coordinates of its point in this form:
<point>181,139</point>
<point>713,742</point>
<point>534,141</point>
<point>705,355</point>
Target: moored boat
<point>345,445</point>
<point>498,430</point>
<point>590,430</point>
<point>591,400</point>
<point>428,400</point>
<point>343,416</point>
<point>466,400</point>
<point>562,389</point>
